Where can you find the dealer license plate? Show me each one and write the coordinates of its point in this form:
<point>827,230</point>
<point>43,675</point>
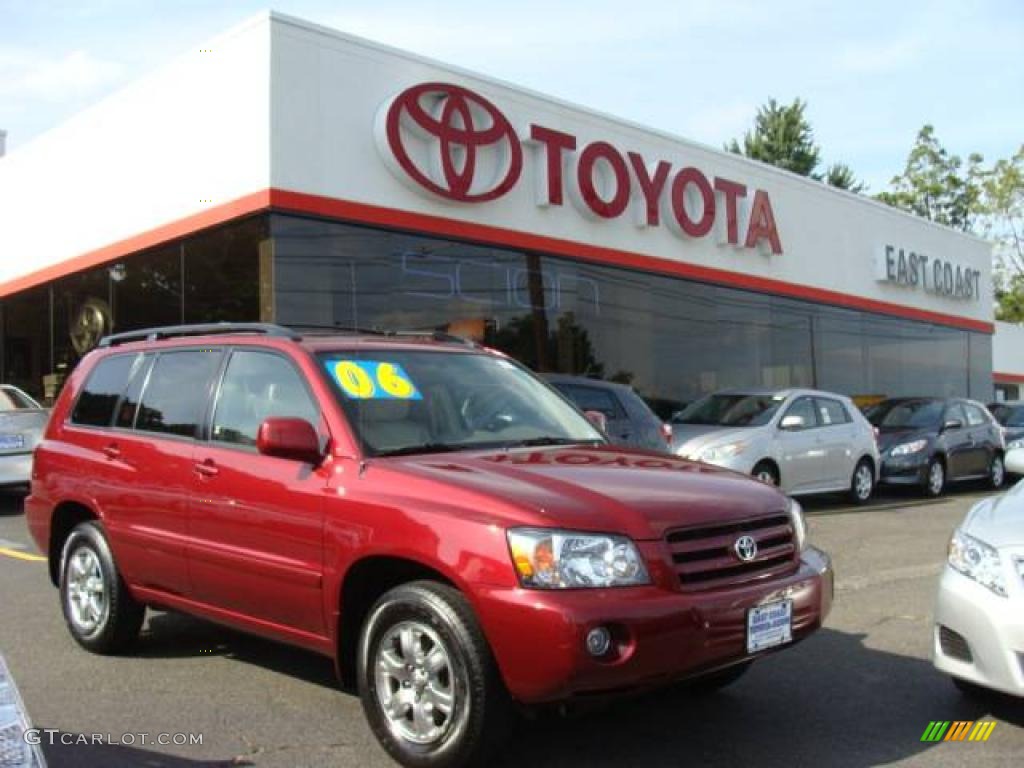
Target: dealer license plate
<point>11,442</point>
<point>769,625</point>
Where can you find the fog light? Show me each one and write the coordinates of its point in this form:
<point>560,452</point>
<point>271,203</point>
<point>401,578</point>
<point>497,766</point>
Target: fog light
<point>599,640</point>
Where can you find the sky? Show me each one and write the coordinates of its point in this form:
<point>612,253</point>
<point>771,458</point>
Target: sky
<point>872,73</point>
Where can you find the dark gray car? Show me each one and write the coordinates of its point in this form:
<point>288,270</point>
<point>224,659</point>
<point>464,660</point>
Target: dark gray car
<point>629,420</point>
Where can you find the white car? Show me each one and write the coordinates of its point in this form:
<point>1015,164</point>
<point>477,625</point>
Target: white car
<point>802,440</point>
<point>979,616</point>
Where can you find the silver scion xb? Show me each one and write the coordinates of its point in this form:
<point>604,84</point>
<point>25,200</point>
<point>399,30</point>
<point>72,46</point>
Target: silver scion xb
<point>22,421</point>
<point>802,440</point>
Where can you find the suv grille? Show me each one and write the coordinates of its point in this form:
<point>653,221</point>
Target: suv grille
<point>706,558</point>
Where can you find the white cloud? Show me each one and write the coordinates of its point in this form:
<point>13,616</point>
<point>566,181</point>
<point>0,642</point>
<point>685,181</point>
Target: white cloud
<point>29,76</point>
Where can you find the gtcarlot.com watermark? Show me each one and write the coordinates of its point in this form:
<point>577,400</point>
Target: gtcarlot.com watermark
<point>52,737</point>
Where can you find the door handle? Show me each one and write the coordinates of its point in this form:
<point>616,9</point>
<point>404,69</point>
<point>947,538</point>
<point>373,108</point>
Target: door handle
<point>207,468</point>
<point>111,451</point>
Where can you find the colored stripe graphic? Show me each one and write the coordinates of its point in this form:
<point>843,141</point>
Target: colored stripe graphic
<point>983,730</point>
<point>935,731</point>
<point>959,730</point>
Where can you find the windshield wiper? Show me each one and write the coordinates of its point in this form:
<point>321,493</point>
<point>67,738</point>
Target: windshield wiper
<point>538,441</point>
<point>410,450</point>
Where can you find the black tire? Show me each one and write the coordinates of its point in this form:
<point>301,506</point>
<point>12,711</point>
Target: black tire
<point>716,681</point>
<point>861,487</point>
<point>766,472</point>
<point>997,472</point>
<point>934,478</point>
<point>480,712</point>
<point>119,619</point>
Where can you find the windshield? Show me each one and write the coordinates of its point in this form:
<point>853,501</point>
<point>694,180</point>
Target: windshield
<point>407,402</point>
<point>1008,416</point>
<point>905,414</point>
<point>14,400</point>
<point>734,410</point>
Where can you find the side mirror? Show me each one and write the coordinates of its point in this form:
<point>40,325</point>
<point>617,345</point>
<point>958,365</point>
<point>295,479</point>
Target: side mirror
<point>952,424</point>
<point>1014,461</point>
<point>289,439</point>
<point>792,421</point>
<point>597,419</point>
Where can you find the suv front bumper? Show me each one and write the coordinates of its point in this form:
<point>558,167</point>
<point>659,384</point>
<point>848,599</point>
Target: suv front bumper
<point>538,637</point>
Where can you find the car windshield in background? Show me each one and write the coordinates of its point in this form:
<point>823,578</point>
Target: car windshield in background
<point>408,402</point>
<point>1008,416</point>
<point>730,410</point>
<point>13,400</point>
<point>906,414</point>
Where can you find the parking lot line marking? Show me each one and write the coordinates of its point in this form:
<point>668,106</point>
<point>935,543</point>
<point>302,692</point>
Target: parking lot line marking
<point>21,555</point>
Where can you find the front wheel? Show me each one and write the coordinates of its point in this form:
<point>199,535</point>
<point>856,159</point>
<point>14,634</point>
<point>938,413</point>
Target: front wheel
<point>934,478</point>
<point>766,473</point>
<point>427,680</point>
<point>862,484</point>
<point>997,472</point>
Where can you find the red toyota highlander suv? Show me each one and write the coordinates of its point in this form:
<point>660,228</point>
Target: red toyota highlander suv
<point>446,526</point>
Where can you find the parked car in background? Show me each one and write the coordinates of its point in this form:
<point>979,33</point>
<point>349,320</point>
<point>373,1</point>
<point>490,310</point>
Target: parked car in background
<point>978,637</point>
<point>1010,416</point>
<point>629,420</point>
<point>22,421</point>
<point>932,441</point>
<point>802,440</point>
<point>428,513</point>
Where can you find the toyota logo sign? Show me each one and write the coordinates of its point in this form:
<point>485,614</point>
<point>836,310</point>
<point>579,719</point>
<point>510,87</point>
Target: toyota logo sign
<point>746,548</point>
<point>452,142</point>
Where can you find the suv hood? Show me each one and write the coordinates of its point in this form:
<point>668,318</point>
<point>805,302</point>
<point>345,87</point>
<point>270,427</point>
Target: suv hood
<point>999,521</point>
<point>642,494</point>
<point>690,439</point>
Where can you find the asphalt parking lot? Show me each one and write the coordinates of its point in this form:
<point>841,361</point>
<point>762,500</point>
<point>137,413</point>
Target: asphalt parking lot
<point>859,693</point>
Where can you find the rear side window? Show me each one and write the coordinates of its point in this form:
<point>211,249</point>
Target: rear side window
<point>975,416</point>
<point>831,412</point>
<point>176,392</point>
<point>592,399</point>
<point>96,403</point>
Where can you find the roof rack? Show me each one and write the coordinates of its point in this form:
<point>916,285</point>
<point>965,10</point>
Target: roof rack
<point>270,329</point>
<point>201,329</point>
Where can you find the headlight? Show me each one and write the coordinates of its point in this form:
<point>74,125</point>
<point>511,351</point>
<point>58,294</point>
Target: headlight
<point>796,514</point>
<point>723,452</point>
<point>551,559</point>
<point>1018,443</point>
<point>905,449</point>
<point>977,560</point>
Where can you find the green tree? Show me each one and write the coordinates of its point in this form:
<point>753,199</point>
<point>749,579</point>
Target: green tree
<point>936,186</point>
<point>782,136</point>
<point>1002,207</point>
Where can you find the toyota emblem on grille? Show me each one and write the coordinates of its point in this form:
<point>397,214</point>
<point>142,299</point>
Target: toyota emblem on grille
<point>746,548</point>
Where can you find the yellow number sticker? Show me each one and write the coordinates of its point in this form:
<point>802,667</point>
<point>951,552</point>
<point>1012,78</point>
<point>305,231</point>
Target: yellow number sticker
<point>373,380</point>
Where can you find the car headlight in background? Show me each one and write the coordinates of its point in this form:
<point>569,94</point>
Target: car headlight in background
<point>796,515</point>
<point>551,559</point>
<point>723,452</point>
<point>905,449</point>
<point>977,560</point>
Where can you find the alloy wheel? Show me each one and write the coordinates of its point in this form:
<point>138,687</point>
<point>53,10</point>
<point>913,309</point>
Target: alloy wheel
<point>86,590</point>
<point>863,482</point>
<point>416,683</point>
<point>998,472</point>
<point>936,478</point>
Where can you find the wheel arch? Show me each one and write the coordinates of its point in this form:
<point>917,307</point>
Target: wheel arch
<point>66,515</point>
<point>362,585</point>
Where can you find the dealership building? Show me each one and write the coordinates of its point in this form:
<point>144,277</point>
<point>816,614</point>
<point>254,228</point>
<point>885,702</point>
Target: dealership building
<point>290,173</point>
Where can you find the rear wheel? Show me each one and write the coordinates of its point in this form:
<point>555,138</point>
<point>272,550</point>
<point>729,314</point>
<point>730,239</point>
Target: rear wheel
<point>935,478</point>
<point>429,686</point>
<point>766,473</point>
<point>100,613</point>
<point>862,484</point>
<point>997,472</point>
